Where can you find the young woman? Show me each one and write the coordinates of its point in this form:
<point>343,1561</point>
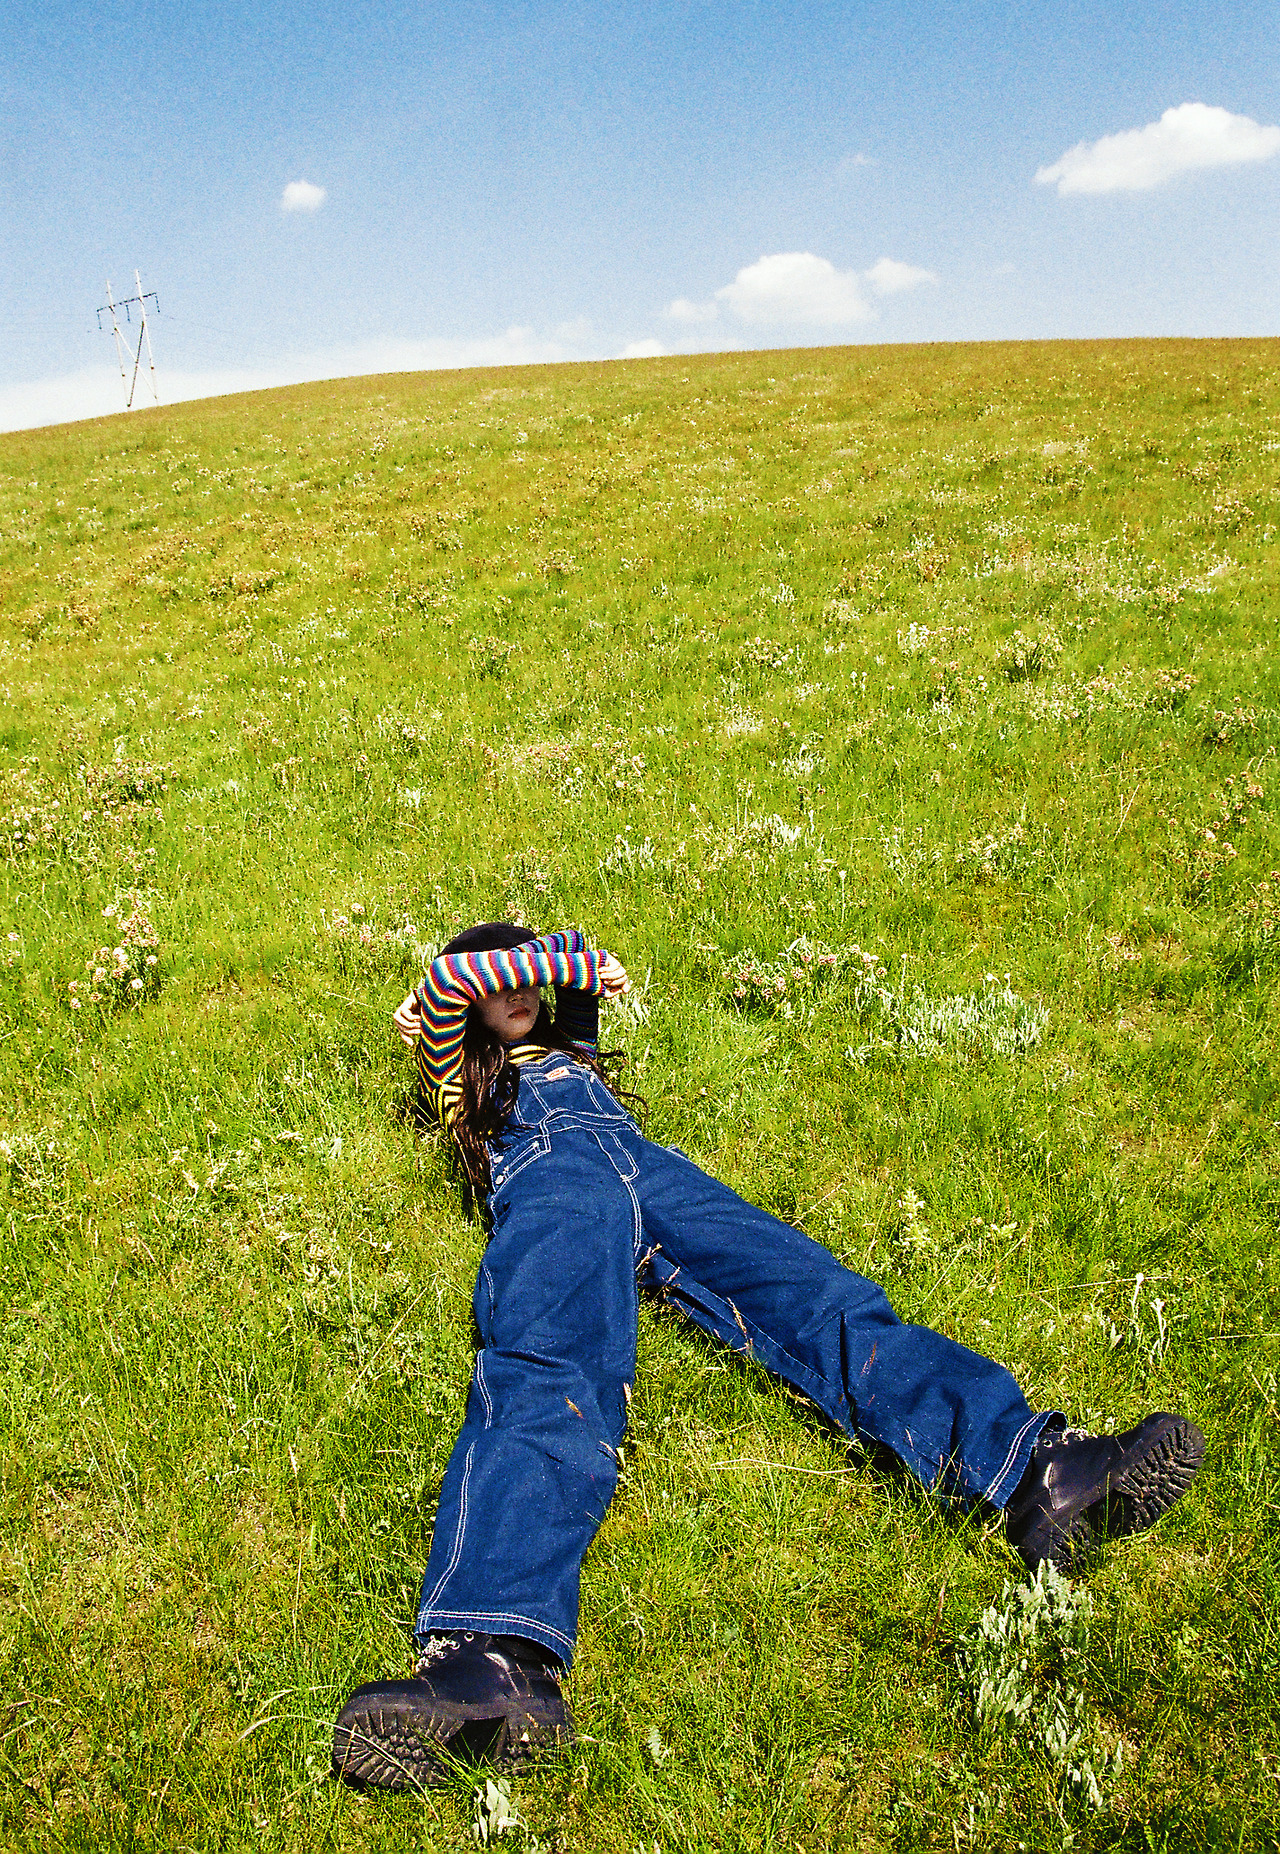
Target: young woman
<point>583,1210</point>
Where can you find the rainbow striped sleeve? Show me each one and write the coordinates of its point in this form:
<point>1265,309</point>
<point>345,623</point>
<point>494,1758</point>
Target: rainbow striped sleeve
<point>454,981</point>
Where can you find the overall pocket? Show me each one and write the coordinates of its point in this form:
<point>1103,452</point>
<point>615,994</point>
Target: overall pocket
<point>507,1164</point>
<point>623,1162</point>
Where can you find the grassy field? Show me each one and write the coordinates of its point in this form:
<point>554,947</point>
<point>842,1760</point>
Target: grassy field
<point>906,720</point>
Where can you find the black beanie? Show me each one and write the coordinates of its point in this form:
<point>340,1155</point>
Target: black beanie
<point>487,936</point>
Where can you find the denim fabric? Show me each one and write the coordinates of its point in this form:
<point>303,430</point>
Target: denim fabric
<point>585,1210</point>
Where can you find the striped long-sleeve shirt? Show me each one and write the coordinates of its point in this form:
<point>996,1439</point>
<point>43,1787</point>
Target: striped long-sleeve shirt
<point>454,981</point>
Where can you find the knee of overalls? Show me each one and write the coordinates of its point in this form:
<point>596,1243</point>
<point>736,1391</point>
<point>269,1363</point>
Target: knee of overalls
<point>544,1397</point>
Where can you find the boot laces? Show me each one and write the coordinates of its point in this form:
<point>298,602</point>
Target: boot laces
<point>438,1648</point>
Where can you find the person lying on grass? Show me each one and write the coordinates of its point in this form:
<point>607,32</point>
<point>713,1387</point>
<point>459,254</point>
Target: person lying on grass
<point>583,1210</point>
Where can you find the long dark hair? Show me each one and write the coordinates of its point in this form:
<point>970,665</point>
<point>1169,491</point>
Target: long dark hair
<point>489,1083</point>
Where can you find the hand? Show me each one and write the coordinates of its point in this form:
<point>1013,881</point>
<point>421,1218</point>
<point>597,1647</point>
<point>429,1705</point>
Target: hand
<point>613,977</point>
<point>408,1020</point>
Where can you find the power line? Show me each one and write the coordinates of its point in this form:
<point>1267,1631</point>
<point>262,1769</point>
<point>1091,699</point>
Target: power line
<point>111,308</point>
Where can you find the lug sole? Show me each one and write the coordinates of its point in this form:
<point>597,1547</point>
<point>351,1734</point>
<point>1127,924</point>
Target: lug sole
<point>403,1745</point>
<point>1148,1486</point>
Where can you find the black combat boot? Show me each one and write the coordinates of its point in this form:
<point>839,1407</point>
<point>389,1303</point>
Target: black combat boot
<point>1078,1488</point>
<point>495,1696</point>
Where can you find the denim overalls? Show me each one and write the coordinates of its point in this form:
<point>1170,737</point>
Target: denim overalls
<point>585,1210</point>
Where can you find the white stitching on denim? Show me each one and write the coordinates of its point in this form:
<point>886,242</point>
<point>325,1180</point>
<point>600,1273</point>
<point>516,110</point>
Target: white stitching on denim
<point>483,1389</point>
<point>457,1537</point>
<point>637,1228</point>
<point>1006,1465</point>
<point>600,1135</point>
<point>468,1619</point>
<point>603,1102</point>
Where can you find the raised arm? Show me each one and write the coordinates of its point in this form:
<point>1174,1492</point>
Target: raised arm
<point>453,982</point>
<point>578,1017</point>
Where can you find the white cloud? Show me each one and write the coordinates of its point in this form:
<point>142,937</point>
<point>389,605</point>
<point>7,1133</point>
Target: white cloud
<point>302,196</point>
<point>682,310</point>
<point>795,288</point>
<point>90,393</point>
<point>95,392</point>
<point>890,278</point>
<point>642,350</point>
<point>848,163</point>
<point>1195,135</point>
<point>792,287</point>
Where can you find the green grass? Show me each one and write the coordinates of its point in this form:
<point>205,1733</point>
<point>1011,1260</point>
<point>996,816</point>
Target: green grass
<point>955,656</point>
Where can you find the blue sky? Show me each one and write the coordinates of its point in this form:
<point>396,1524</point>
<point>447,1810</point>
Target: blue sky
<point>548,180</point>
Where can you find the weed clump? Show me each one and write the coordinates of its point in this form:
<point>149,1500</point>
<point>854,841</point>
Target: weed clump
<point>1228,726</point>
<point>1021,658</point>
<point>1010,853</point>
<point>128,972</point>
<point>761,654</point>
<point>1170,689</point>
<point>32,818</point>
<point>962,1026</point>
<point>784,986</point>
<point>1024,1670</point>
<point>490,655</point>
<point>495,1817</point>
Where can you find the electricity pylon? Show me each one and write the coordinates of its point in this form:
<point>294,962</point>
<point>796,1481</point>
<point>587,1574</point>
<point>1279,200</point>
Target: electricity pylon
<point>123,349</point>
